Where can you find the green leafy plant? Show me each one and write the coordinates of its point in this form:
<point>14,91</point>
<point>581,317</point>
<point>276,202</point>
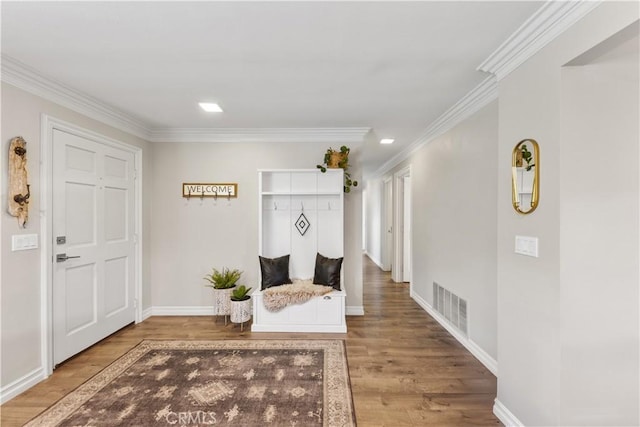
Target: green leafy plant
<point>527,157</point>
<point>224,279</point>
<point>240,293</point>
<point>334,159</point>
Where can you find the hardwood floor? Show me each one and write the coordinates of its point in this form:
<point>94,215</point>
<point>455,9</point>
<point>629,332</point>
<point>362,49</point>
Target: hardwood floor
<point>406,370</point>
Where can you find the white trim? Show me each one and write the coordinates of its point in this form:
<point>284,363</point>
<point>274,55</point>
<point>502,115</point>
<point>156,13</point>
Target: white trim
<point>146,313</point>
<point>489,362</point>
<point>168,310</point>
<point>547,23</point>
<point>47,125</point>
<point>472,102</point>
<point>33,81</point>
<point>505,415</point>
<point>138,234</point>
<point>354,310</point>
<point>329,329</point>
<point>26,78</point>
<point>23,383</point>
<point>398,224</point>
<point>324,135</point>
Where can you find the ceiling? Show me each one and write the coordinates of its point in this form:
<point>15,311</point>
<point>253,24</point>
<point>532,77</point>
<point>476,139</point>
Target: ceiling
<point>394,67</point>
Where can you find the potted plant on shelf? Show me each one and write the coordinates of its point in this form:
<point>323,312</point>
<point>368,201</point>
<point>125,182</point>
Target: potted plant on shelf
<point>241,307</point>
<point>222,283</point>
<point>334,159</point>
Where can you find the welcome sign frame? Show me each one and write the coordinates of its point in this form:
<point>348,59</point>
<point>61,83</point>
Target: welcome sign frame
<point>215,190</point>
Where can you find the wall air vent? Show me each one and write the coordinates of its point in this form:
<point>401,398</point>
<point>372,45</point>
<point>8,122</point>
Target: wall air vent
<point>452,307</point>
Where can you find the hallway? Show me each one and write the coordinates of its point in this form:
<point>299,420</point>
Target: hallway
<point>406,370</point>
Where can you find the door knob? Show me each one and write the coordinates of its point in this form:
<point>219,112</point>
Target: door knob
<point>64,257</point>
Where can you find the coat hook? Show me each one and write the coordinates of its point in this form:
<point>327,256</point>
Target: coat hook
<point>215,196</point>
<point>22,200</point>
<point>329,205</point>
<point>202,195</point>
<point>302,206</point>
<point>275,206</point>
<point>189,194</point>
<point>229,196</point>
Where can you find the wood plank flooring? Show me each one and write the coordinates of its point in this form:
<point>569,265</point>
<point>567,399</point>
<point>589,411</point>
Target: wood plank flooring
<point>406,370</point>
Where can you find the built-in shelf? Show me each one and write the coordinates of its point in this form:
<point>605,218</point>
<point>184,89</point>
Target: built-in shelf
<point>285,195</point>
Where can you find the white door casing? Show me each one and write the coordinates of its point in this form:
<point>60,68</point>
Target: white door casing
<point>401,226</point>
<point>387,240</point>
<point>94,204</point>
<point>406,242</point>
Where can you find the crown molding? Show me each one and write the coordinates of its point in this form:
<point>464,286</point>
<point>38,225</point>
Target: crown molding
<point>28,79</point>
<point>547,23</point>
<point>325,135</point>
<point>473,101</point>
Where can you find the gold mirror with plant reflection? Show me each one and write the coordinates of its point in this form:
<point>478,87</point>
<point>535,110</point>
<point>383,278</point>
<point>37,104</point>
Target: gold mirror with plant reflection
<point>525,181</point>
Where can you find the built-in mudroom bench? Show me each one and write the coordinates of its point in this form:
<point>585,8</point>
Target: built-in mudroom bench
<point>301,216</point>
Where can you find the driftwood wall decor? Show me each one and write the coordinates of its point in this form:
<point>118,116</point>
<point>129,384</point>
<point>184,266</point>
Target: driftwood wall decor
<point>18,181</point>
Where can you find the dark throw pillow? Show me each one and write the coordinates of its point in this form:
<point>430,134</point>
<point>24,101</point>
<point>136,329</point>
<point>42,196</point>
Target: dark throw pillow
<point>327,271</point>
<point>275,271</point>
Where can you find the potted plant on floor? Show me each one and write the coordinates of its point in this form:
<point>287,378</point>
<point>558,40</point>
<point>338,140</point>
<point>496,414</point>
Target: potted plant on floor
<point>241,307</point>
<point>222,283</point>
<point>334,159</point>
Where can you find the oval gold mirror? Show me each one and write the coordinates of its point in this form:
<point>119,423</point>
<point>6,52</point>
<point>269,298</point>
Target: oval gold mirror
<point>525,182</point>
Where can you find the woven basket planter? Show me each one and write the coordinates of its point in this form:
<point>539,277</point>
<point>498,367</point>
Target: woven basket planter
<point>222,302</point>
<point>241,311</point>
<point>336,158</point>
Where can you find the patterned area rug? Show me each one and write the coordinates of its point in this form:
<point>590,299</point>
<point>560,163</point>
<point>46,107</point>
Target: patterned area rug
<point>199,383</point>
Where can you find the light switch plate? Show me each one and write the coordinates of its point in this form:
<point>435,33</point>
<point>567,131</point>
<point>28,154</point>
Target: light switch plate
<point>23,242</point>
<point>526,245</point>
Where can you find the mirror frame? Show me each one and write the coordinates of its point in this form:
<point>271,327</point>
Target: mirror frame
<point>535,191</point>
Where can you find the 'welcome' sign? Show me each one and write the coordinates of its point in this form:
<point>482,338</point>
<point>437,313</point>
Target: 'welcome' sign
<point>190,189</point>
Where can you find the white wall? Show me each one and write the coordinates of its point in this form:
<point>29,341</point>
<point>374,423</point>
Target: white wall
<point>454,220</point>
<point>20,271</point>
<point>374,213</point>
<point>539,358</point>
<point>599,271</point>
<point>192,236</point>
<point>454,199</point>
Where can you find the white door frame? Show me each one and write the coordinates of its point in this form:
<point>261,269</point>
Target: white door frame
<point>48,124</point>
<point>387,224</point>
<point>398,222</point>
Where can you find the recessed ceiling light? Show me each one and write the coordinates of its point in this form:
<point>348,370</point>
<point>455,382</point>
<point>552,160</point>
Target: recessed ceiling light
<point>387,141</point>
<point>210,107</point>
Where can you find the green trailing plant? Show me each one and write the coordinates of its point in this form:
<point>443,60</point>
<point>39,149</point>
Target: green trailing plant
<point>240,293</point>
<point>224,279</point>
<point>339,159</point>
<point>527,157</point>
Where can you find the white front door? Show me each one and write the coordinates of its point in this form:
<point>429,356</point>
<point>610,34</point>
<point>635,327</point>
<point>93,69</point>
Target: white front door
<point>93,225</point>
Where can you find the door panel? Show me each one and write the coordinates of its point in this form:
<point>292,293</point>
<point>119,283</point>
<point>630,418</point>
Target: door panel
<point>93,208</point>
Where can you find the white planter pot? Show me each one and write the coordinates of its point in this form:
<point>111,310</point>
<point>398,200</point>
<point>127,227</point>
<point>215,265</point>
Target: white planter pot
<point>241,311</point>
<point>222,302</point>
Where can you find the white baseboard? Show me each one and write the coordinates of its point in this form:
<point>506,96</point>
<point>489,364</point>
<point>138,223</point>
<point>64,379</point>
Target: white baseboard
<point>489,362</point>
<point>354,310</point>
<point>21,384</point>
<point>505,416</point>
<point>164,310</point>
